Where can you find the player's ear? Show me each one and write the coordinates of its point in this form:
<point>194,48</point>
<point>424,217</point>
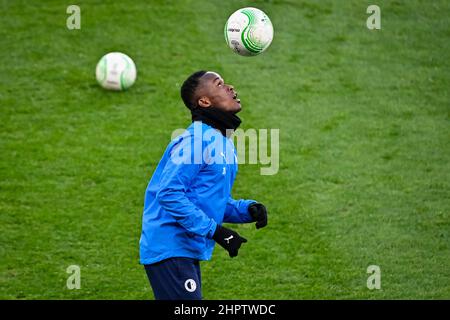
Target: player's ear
<point>204,102</point>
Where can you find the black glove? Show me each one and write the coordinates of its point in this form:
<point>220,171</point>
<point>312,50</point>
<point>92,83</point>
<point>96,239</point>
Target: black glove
<point>258,212</point>
<point>230,240</point>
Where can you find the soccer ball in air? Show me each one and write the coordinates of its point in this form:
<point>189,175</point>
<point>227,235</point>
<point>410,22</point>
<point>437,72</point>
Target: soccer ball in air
<point>248,31</point>
<point>115,71</point>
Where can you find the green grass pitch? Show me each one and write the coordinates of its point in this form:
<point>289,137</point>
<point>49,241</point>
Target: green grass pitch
<point>364,174</point>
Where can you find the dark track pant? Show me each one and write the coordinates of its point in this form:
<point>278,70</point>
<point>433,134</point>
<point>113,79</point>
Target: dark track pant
<point>175,279</point>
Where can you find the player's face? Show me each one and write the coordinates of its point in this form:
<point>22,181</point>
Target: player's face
<point>215,92</point>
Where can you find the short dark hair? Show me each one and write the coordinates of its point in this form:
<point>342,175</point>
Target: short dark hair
<point>189,87</point>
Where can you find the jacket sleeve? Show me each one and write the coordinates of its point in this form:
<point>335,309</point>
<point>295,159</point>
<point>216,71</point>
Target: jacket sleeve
<point>175,181</point>
<point>237,211</point>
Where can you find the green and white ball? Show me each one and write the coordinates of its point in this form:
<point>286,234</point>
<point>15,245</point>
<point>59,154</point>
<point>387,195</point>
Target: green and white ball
<point>248,31</point>
<point>116,71</point>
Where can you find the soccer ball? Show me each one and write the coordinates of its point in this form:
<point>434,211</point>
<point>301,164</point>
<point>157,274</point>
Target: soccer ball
<point>115,71</point>
<point>248,31</point>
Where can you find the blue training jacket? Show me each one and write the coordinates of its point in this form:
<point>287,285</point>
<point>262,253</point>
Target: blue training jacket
<point>189,194</point>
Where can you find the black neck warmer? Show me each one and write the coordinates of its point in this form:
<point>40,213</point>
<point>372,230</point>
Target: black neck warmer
<point>216,118</point>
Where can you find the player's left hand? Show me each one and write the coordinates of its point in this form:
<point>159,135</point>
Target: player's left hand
<point>258,212</point>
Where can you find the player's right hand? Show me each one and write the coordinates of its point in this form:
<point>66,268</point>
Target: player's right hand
<point>230,240</point>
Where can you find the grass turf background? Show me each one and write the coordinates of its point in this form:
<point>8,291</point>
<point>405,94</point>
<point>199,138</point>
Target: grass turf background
<point>364,146</point>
